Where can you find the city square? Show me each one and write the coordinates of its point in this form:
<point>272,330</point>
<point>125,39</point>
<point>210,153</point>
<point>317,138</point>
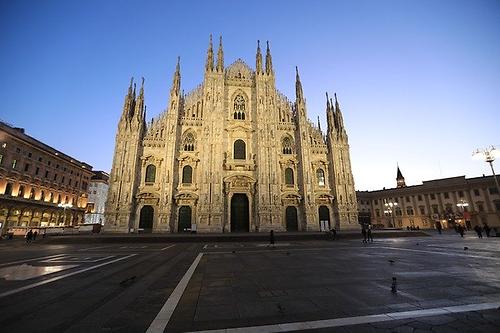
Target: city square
<point>316,286</point>
<point>249,166</point>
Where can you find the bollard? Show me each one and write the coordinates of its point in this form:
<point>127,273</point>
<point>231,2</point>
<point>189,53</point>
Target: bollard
<point>394,287</point>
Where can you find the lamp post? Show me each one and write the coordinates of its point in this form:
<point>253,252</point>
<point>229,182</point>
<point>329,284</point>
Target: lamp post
<point>462,204</point>
<point>488,155</point>
<point>64,206</point>
<point>389,209</point>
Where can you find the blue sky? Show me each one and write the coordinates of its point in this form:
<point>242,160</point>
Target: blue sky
<point>418,81</point>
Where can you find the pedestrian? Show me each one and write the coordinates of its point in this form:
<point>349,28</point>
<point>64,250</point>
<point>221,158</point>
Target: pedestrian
<point>332,233</point>
<point>478,230</point>
<point>29,236</point>
<point>439,227</point>
<point>369,233</point>
<point>460,230</point>
<point>487,229</point>
<point>34,235</point>
<point>363,232</point>
<point>271,238</point>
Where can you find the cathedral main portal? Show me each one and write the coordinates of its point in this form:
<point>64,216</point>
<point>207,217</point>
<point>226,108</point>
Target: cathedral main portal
<point>239,213</point>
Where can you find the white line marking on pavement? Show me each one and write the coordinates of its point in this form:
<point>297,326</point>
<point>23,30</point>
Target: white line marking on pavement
<point>32,259</point>
<point>167,247</point>
<point>94,248</point>
<point>443,253</point>
<point>348,321</point>
<point>292,249</point>
<point>160,322</point>
<point>33,285</point>
<point>84,260</point>
<point>205,246</point>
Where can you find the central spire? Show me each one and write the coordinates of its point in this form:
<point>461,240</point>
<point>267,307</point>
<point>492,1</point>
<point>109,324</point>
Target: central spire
<point>269,60</point>
<point>209,66</point>
<point>220,57</point>
<point>176,84</point>
<point>258,59</point>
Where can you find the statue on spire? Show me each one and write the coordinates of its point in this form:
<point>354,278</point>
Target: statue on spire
<point>298,85</point>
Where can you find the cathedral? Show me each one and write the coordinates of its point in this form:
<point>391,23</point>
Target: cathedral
<point>232,155</point>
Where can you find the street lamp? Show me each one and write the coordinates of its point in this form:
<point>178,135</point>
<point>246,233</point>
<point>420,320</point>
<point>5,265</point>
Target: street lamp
<point>64,206</point>
<point>462,204</point>
<point>390,207</point>
<point>488,155</point>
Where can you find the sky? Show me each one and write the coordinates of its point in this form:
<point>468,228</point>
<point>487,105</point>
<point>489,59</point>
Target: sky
<point>418,81</point>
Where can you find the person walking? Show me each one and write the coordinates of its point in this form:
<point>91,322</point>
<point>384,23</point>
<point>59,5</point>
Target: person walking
<point>34,235</point>
<point>369,233</point>
<point>439,227</point>
<point>29,236</point>
<point>460,230</point>
<point>363,232</point>
<point>271,238</point>
<point>487,229</point>
<point>478,230</point>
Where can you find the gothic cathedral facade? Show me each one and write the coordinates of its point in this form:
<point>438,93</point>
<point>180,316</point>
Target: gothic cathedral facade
<point>233,155</point>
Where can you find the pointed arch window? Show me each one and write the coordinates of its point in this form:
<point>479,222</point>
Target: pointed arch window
<point>8,189</point>
<point>187,174</point>
<point>239,150</point>
<point>20,192</point>
<point>287,145</point>
<point>320,175</point>
<point>150,173</point>
<point>289,176</point>
<point>239,107</point>
<point>188,144</point>
<point>42,196</point>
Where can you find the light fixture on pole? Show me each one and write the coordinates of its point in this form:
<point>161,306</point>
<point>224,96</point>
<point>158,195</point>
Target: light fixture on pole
<point>64,206</point>
<point>390,206</point>
<point>462,204</point>
<point>488,155</point>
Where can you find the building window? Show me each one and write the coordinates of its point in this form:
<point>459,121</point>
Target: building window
<point>419,197</point>
<point>150,173</point>
<point>18,150</point>
<point>188,142</point>
<point>446,195</point>
<point>493,190</point>
<point>497,206</point>
<point>321,177</point>
<point>42,196</point>
<point>287,146</point>
<point>1,159</point>
<point>407,199</point>
<point>8,189</point>
<point>187,175</point>
<point>62,180</point>
<point>32,193</point>
<point>39,159</point>
<point>14,163</point>
<point>480,207</point>
<point>46,174</point>
<point>29,155</point>
<point>409,210</point>
<point>461,194</point>
<point>84,186</point>
<point>55,176</point>
<point>377,212</point>
<point>239,107</point>
<point>20,192</point>
<point>375,202</point>
<point>399,212</point>
<point>26,167</point>
<point>239,150</point>
<point>433,196</point>
<point>422,210</point>
<point>289,176</point>
<point>476,192</point>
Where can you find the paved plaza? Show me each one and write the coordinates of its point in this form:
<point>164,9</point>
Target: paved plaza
<point>443,284</point>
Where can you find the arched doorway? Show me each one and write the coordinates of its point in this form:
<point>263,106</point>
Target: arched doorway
<point>291,219</point>
<point>184,222</point>
<point>324,218</point>
<point>146,219</point>
<point>239,213</point>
